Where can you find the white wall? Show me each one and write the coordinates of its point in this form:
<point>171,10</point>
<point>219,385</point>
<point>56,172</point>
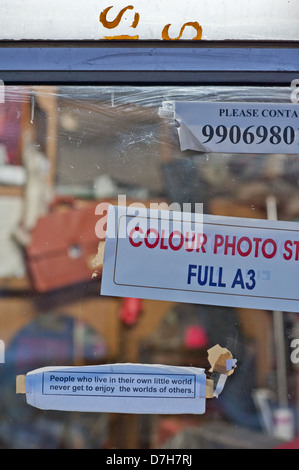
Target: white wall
<point>220,19</point>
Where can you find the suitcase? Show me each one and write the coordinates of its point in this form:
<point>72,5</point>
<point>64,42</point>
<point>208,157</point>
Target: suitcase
<point>63,244</point>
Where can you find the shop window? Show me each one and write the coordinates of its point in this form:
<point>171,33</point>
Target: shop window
<point>64,150</point>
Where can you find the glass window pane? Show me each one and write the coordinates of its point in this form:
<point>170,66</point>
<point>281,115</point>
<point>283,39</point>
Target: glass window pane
<point>65,149</point>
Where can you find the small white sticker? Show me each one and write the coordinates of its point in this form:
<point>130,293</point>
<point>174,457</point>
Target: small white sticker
<point>238,127</point>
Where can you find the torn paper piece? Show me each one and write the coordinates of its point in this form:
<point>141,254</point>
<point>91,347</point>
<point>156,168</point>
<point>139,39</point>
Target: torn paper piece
<point>98,260</point>
<point>119,388</point>
<point>221,360</point>
<point>222,365</point>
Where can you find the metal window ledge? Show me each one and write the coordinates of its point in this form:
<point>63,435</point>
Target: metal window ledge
<point>100,63</point>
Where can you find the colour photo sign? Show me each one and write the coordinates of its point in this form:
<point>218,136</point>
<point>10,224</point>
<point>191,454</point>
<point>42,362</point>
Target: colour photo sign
<point>201,259</point>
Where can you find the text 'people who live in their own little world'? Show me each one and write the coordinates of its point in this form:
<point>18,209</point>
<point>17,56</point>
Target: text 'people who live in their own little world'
<point>128,388</point>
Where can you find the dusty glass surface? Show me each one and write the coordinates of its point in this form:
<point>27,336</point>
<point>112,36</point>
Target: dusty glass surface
<point>62,151</point>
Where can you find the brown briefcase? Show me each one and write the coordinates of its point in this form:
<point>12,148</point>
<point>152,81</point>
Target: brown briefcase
<point>62,247</point>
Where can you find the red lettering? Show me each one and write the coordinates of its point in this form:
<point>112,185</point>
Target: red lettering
<point>288,250</point>
<point>219,240</point>
<point>264,252</point>
<point>257,242</point>
<point>162,246</point>
<point>187,239</point>
<point>231,245</point>
<point>201,241</point>
<point>156,241</point>
<point>244,246</point>
<point>175,241</point>
<point>179,246</point>
<point>248,241</point>
<point>135,229</point>
<point>288,244</point>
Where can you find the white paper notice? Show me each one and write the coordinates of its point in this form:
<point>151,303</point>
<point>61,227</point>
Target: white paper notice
<point>238,127</point>
<point>119,388</point>
<point>227,261</point>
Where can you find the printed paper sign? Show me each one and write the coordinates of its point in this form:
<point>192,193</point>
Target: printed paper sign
<point>120,388</point>
<point>227,261</point>
<point>238,127</point>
